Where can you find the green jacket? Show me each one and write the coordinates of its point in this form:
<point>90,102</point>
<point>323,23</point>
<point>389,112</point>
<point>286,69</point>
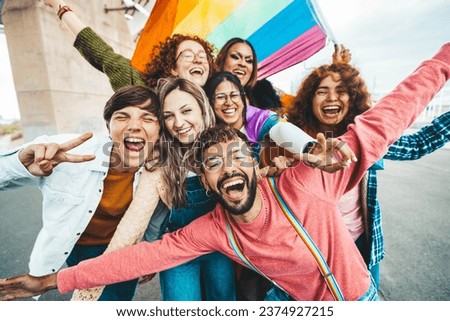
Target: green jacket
<point>102,57</point>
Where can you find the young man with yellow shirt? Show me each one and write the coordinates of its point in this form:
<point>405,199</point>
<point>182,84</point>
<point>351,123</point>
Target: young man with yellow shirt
<point>87,183</point>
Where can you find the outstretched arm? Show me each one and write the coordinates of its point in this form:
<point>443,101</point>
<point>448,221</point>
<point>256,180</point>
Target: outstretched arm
<point>96,51</point>
<point>26,286</point>
<point>425,141</point>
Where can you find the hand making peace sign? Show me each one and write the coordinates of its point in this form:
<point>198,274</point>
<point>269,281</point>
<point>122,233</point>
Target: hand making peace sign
<point>40,159</point>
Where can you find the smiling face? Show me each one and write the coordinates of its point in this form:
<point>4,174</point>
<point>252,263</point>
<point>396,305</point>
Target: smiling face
<point>191,62</point>
<point>182,116</point>
<point>134,131</point>
<point>230,174</point>
<point>239,61</point>
<point>228,104</point>
<point>331,101</point>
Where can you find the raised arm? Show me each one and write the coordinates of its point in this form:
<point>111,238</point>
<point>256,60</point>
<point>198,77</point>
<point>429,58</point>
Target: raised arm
<point>68,17</point>
<point>379,127</point>
<point>425,141</point>
<point>95,50</point>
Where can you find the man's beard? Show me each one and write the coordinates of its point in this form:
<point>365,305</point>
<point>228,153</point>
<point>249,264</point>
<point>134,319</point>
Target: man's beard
<point>238,209</point>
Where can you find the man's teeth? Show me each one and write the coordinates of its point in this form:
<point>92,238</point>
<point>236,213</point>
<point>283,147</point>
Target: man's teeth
<point>233,183</point>
<point>133,140</point>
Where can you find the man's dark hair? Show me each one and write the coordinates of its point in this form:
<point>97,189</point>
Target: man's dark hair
<point>128,96</point>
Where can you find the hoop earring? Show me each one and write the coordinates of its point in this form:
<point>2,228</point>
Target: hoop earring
<point>208,193</point>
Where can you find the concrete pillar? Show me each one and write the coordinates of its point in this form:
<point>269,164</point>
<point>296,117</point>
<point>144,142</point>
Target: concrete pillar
<point>57,90</point>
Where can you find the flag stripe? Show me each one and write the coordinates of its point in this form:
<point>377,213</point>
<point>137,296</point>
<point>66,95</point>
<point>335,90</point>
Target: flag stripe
<point>255,13</point>
<point>159,26</point>
<point>298,50</point>
<point>206,16</point>
<point>269,39</point>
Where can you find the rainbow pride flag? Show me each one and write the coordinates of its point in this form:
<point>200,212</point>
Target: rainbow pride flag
<point>283,32</point>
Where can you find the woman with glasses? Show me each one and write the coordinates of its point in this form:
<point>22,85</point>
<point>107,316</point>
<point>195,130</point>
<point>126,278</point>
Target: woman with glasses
<point>228,99</point>
<point>182,56</point>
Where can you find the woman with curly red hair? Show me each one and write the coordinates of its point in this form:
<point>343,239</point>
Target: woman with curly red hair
<point>329,99</point>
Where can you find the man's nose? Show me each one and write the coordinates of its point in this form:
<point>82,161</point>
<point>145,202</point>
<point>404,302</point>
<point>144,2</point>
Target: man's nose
<point>134,124</point>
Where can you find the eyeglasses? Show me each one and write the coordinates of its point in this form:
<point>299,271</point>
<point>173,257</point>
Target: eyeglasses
<point>238,158</point>
<point>234,96</point>
<point>189,56</point>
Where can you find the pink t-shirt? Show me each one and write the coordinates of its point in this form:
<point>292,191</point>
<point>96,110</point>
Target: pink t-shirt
<point>350,208</point>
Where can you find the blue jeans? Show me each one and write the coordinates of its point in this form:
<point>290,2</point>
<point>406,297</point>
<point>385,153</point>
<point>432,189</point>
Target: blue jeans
<point>123,291</point>
<point>364,249</point>
<point>208,277</point>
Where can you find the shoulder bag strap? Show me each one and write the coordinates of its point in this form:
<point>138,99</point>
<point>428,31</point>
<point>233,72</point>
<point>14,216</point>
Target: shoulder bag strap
<point>320,260</point>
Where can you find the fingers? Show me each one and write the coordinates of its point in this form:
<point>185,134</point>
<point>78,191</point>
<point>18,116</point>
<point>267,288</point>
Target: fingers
<point>75,142</point>
<point>346,154</point>
<point>341,55</point>
<point>263,172</point>
<point>330,154</point>
<point>78,158</point>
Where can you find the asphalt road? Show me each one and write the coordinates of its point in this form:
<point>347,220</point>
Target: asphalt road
<point>415,200</point>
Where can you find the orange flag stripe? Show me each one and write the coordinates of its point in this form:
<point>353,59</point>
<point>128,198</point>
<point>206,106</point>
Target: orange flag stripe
<point>159,26</point>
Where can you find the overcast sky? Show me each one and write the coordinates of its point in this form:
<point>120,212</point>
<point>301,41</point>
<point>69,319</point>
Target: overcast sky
<point>387,38</point>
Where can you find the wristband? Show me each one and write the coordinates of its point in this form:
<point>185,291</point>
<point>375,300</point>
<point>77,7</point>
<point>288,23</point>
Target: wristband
<point>62,10</point>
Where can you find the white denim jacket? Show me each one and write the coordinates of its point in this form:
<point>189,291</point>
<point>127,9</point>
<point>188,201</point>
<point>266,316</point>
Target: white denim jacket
<point>71,195</point>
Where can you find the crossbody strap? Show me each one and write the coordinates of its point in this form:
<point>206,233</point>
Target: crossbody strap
<point>240,254</point>
<point>320,260</point>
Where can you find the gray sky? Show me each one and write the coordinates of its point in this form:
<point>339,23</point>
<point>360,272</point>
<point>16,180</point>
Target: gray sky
<point>388,40</point>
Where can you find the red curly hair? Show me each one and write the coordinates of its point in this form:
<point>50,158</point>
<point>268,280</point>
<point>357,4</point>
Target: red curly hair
<point>163,58</point>
<point>301,112</point>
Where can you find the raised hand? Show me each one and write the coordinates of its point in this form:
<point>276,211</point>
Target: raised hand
<point>40,159</point>
<point>329,155</point>
<point>341,55</point>
<point>26,286</point>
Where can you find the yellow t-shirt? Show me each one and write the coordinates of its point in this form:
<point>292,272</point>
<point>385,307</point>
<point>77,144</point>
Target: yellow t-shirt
<point>117,196</point>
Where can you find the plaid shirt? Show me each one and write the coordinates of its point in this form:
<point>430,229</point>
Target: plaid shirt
<point>407,147</point>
